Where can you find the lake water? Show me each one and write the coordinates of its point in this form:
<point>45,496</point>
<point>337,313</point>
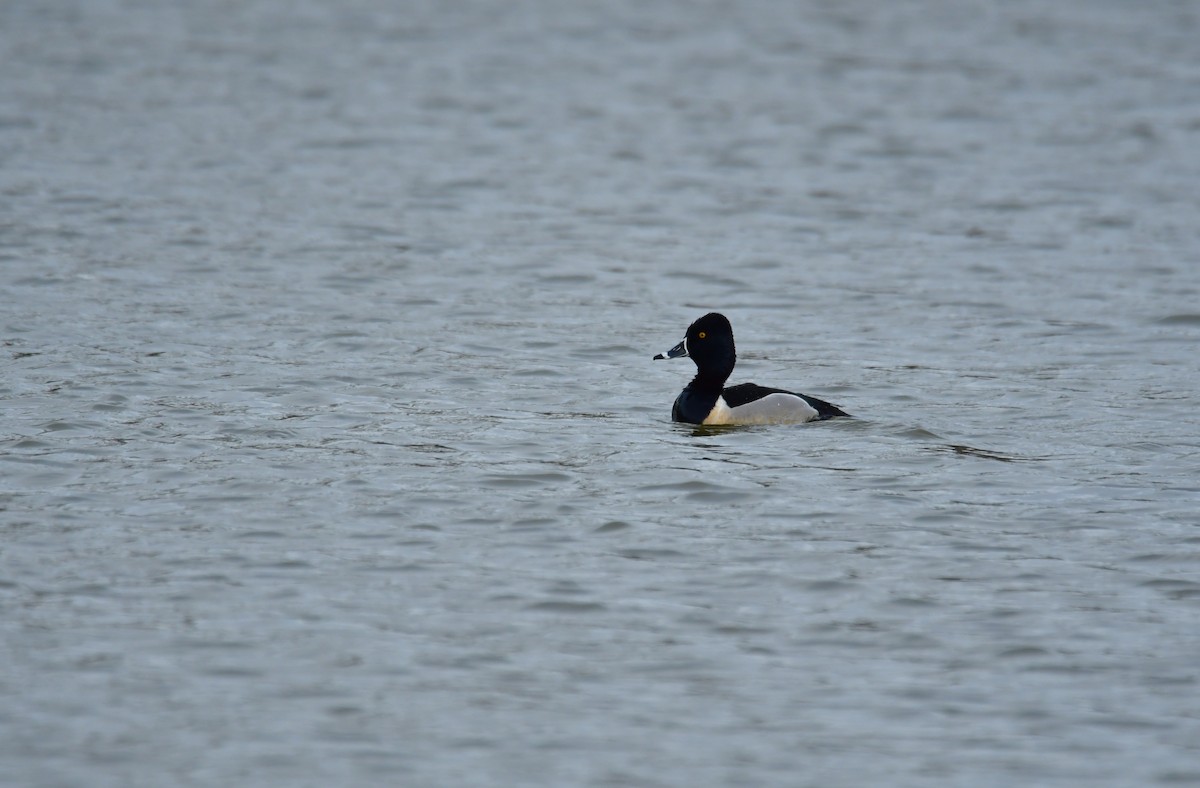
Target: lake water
<point>332,451</point>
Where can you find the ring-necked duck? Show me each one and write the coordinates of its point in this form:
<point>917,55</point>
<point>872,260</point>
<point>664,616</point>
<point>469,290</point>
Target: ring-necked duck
<point>709,343</point>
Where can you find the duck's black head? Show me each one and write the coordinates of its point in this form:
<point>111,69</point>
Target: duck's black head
<point>709,343</point>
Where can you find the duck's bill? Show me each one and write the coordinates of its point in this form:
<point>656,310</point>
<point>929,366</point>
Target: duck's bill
<point>675,352</point>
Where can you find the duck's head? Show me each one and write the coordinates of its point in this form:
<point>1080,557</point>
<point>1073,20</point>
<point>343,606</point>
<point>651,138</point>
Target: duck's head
<point>709,343</point>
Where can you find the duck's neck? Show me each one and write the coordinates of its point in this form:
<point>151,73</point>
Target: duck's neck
<point>710,382</point>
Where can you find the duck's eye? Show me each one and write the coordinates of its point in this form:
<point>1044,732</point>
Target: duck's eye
<point>701,335</point>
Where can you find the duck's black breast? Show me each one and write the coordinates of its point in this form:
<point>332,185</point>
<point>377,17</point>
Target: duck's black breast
<point>692,406</point>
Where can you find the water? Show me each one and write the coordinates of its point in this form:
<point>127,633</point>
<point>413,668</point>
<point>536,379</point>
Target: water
<point>331,450</point>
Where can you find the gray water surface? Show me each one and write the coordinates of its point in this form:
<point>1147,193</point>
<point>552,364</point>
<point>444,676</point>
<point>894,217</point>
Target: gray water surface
<point>332,453</point>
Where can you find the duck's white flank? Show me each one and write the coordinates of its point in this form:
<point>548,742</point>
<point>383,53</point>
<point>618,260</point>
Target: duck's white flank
<point>772,409</point>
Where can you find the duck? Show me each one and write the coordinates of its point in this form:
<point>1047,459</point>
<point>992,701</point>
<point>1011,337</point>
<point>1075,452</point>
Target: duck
<point>707,400</point>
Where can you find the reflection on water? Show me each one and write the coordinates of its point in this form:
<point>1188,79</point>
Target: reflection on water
<point>971,451</point>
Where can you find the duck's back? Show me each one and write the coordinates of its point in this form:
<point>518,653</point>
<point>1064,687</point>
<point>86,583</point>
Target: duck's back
<point>754,402</point>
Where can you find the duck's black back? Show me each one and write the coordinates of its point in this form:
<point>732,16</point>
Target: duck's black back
<point>749,392</point>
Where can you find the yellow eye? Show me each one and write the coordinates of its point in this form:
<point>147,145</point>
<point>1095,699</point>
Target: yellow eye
<point>701,335</point>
